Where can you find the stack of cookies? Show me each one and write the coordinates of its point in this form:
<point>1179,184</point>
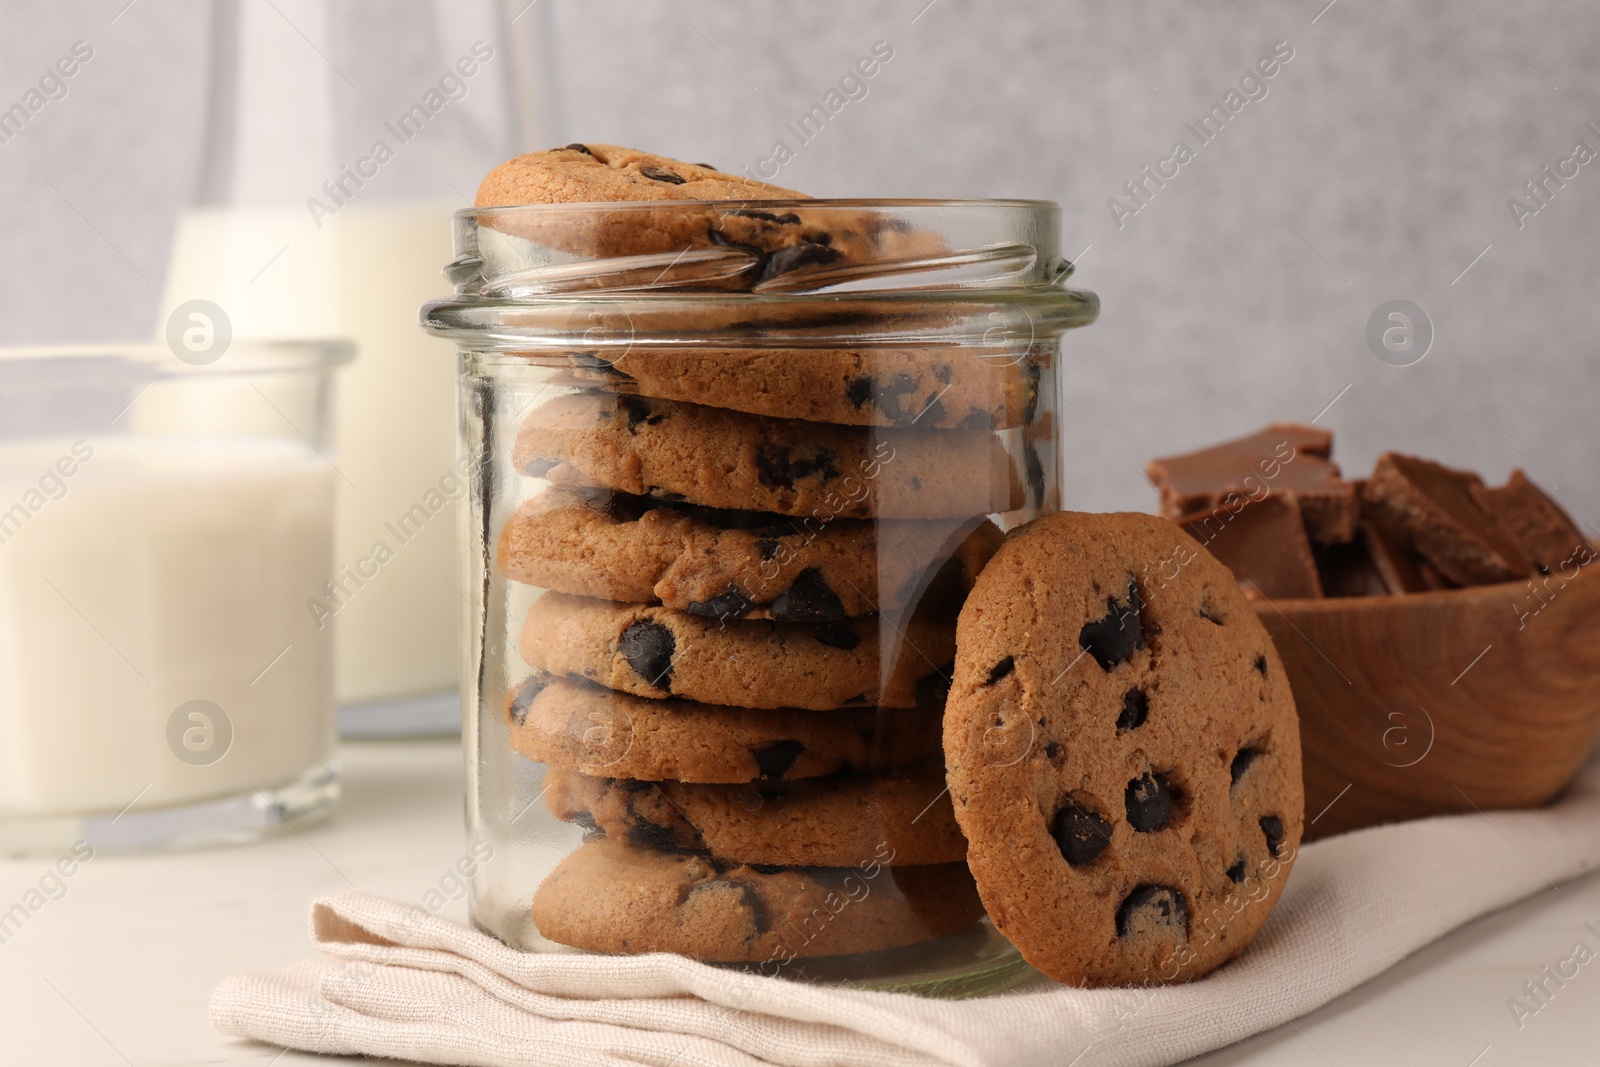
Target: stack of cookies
<point>752,563</point>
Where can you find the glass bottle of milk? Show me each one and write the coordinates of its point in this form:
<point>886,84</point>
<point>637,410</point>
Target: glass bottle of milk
<point>328,177</point>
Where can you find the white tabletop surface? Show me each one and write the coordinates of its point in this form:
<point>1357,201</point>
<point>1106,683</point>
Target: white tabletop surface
<point>119,970</point>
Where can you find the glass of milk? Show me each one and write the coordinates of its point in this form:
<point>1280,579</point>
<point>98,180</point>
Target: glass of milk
<point>166,519</point>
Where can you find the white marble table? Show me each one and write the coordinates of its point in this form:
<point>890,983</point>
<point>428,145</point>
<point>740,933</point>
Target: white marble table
<point>119,969</point>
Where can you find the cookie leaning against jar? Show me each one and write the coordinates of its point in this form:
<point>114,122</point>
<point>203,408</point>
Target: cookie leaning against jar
<point>1124,756</point>
<point>882,385</point>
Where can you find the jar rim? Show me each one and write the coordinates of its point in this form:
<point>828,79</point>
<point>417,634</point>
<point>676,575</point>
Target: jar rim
<point>1020,203</point>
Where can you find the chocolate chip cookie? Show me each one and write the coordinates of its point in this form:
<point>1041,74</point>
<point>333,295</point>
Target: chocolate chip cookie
<point>570,723</point>
<point>1123,753</point>
<point>927,387</point>
<point>822,822</point>
<point>657,652</point>
<point>733,564</point>
<point>609,896</point>
<point>743,244</point>
<point>728,459</point>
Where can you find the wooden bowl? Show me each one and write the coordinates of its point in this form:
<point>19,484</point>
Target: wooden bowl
<point>1450,701</point>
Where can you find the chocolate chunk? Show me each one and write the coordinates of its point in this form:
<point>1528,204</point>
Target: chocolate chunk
<point>775,760</point>
<point>652,836</point>
<point>934,411</point>
<point>1236,872</point>
<point>1441,512</point>
<point>1080,835</point>
<point>707,166</point>
<point>538,468</point>
<point>638,411</point>
<point>978,419</point>
<point>1052,751</point>
<point>886,397</point>
<point>1114,638</point>
<point>1001,669</point>
<point>788,218</point>
<point>660,174</point>
<point>1210,616</point>
<point>584,819</point>
<point>1263,543</point>
<point>1033,472</point>
<point>1272,830</point>
<point>1545,533</point>
<point>1135,709</point>
<point>648,647</point>
<point>729,605</point>
<point>767,548</point>
<point>795,256</point>
<point>1149,801</point>
<point>576,147</point>
<point>1241,763</point>
<point>808,599</point>
<point>522,700</point>
<point>916,483</point>
<point>772,468</point>
<point>838,635</point>
<point>825,462</point>
<point>941,371</point>
<point>592,361</point>
<point>1151,909</point>
<point>1261,664</point>
<point>747,899</point>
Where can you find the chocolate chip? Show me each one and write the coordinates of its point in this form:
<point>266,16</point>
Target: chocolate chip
<point>1001,669</point>
<point>747,899</point>
<point>660,174</point>
<point>775,760</point>
<point>1241,763</point>
<point>1052,751</point>
<point>788,218</point>
<point>767,548</point>
<point>941,371</point>
<point>837,635</point>
<point>808,599</point>
<point>522,700</point>
<point>729,605</point>
<point>1135,709</point>
<point>576,147</point>
<point>584,819</point>
<point>1150,908</point>
<point>916,484</point>
<point>1272,830</point>
<point>707,166</point>
<point>795,256</point>
<point>648,647</point>
<point>1236,872</point>
<point>1149,802</point>
<point>934,412</point>
<point>772,467</point>
<point>978,419</point>
<point>1033,471</point>
<point>1206,614</point>
<point>1080,835</point>
<point>592,361</point>
<point>1114,638</point>
<point>538,468</point>
<point>825,462</point>
<point>638,411</point>
<point>1261,664</point>
<point>886,397</point>
<point>652,836</point>
<point>858,391</point>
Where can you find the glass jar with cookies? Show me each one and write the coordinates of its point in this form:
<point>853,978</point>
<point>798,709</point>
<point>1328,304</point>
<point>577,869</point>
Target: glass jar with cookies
<point>736,457</point>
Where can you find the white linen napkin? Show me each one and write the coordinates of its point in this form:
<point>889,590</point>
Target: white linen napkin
<point>408,985</point>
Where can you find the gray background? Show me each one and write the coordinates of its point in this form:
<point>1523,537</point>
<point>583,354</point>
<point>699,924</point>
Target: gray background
<point>1378,167</point>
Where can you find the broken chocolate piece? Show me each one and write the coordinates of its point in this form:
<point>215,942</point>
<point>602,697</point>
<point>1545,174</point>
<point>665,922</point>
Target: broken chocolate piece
<point>1285,457</point>
<point>1545,533</point>
<point>1153,909</point>
<point>1263,543</point>
<point>1135,709</point>
<point>1435,508</point>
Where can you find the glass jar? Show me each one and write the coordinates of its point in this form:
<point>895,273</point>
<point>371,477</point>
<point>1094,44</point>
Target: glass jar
<point>734,467</point>
<point>166,532</point>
